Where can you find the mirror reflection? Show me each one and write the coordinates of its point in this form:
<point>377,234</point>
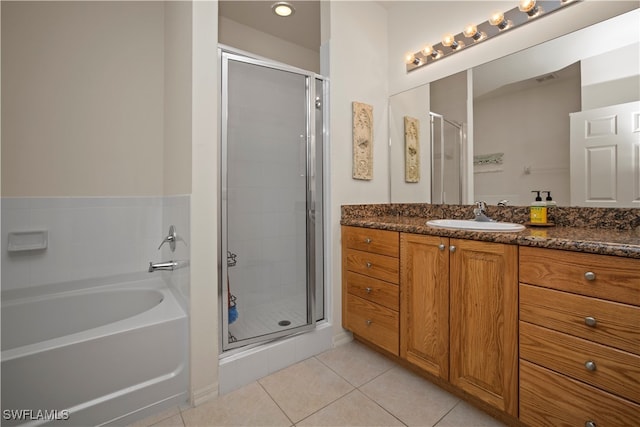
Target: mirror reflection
<point>517,136</point>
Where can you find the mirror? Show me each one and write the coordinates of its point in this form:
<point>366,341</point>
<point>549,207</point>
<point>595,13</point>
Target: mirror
<point>515,128</point>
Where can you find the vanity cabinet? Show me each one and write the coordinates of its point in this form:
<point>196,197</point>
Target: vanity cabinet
<point>424,316</point>
<point>459,314</point>
<point>370,285</point>
<point>579,339</point>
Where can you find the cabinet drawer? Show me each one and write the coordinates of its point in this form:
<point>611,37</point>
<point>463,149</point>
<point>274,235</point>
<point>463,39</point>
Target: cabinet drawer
<point>374,323</point>
<point>373,290</point>
<point>612,278</point>
<point>551,399</point>
<point>373,265</point>
<point>616,325</point>
<point>381,242</point>
<point>612,370</point>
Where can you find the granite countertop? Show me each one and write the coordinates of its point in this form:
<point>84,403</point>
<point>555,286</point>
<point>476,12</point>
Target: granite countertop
<point>605,241</point>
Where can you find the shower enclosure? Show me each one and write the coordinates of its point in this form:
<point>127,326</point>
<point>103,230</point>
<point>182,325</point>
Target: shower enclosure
<point>272,147</point>
<point>447,143</point>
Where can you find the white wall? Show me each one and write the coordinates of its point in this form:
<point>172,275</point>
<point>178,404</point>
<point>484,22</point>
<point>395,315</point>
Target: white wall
<point>611,78</point>
<point>83,88</point>
<point>204,326</point>
<point>177,98</point>
<point>358,72</point>
<point>240,36</point>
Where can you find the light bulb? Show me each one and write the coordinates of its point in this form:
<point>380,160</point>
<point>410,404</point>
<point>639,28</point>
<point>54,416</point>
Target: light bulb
<point>526,5</point>
<point>410,58</point>
<point>427,50</point>
<point>496,18</point>
<point>529,7</point>
<point>448,40</point>
<point>470,30</point>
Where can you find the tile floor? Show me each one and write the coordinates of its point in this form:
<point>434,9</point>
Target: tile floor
<point>350,385</point>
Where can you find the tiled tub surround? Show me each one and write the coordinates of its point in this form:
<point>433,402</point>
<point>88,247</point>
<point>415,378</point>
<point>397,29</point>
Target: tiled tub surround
<point>606,231</point>
<point>93,237</point>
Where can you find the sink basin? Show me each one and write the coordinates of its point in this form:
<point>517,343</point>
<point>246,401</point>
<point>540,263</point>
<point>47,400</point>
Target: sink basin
<point>469,224</point>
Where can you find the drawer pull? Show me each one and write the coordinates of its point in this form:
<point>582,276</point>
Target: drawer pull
<point>590,424</point>
<point>367,240</point>
<point>590,365</point>
<point>590,321</point>
<point>369,264</point>
<point>441,246</point>
<point>368,322</point>
<point>368,290</point>
<point>590,276</point>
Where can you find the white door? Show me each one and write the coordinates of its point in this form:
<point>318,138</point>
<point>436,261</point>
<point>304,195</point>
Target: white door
<point>605,156</point>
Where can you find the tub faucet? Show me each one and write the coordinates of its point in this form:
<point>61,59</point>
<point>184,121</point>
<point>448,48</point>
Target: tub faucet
<point>168,265</point>
<point>480,211</point>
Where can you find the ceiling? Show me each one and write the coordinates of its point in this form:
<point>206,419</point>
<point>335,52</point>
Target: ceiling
<point>301,28</point>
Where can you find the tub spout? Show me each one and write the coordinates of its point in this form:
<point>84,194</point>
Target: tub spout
<point>168,265</point>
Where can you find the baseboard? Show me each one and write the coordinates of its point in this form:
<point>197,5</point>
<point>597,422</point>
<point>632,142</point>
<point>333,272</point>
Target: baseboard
<point>198,397</point>
<point>343,337</point>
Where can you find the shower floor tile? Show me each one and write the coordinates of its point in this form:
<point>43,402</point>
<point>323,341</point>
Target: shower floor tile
<point>265,319</point>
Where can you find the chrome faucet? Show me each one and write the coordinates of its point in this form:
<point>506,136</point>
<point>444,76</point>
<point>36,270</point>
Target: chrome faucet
<point>480,211</point>
<point>168,265</point>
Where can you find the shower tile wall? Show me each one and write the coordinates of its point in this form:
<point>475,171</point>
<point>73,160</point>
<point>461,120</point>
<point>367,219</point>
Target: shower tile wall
<point>266,196</point>
<point>89,237</point>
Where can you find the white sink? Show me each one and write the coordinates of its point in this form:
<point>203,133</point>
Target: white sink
<point>469,224</point>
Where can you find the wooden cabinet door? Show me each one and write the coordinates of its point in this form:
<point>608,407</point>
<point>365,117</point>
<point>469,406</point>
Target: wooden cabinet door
<point>424,302</point>
<point>483,321</point>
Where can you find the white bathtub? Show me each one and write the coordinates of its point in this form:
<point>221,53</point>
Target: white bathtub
<point>100,355</point>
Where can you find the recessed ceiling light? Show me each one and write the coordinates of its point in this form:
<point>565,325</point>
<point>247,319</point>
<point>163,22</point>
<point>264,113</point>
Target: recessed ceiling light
<point>282,8</point>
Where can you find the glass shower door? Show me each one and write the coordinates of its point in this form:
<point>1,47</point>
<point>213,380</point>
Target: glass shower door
<point>268,210</point>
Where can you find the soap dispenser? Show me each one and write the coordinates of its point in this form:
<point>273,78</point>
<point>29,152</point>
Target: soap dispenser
<point>548,200</point>
<point>538,212</point>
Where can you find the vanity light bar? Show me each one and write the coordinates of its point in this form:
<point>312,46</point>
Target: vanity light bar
<point>497,24</point>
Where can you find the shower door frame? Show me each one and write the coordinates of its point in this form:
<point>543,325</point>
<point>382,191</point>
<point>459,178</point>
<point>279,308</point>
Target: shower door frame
<point>226,54</point>
<point>461,146</point>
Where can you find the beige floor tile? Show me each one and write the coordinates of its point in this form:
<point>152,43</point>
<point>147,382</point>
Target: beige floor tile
<point>247,406</point>
<point>303,388</point>
<point>155,418</point>
<point>466,415</point>
<point>356,363</point>
<point>410,398</point>
<point>354,409</point>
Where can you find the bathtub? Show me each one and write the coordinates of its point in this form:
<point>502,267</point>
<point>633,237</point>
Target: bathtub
<point>92,355</point>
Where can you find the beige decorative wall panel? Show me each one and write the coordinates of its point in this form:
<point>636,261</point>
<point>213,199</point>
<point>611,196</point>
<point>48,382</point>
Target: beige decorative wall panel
<point>362,141</point>
<point>411,149</point>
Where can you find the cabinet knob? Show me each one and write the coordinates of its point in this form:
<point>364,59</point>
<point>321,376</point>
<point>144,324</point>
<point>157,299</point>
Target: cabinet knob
<point>441,246</point>
<point>590,276</point>
<point>590,321</point>
<point>590,365</point>
<point>368,290</point>
<point>367,240</point>
<point>452,248</point>
<point>590,424</point>
<point>368,264</point>
<point>368,322</point>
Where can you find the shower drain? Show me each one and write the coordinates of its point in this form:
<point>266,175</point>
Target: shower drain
<point>284,322</point>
